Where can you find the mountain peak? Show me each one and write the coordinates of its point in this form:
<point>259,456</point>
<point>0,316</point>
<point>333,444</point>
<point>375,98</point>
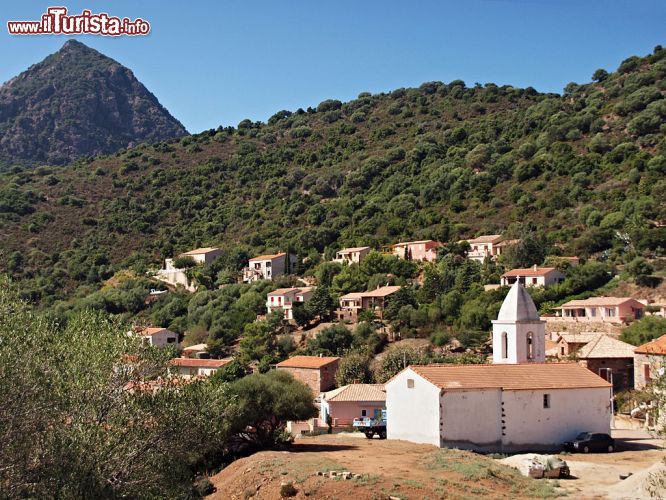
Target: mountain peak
<point>78,102</point>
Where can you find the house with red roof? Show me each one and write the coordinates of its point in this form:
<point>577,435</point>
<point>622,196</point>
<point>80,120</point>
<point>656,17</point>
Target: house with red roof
<point>195,367</point>
<point>344,404</point>
<point>519,402</point>
<point>649,362</point>
<point>351,304</point>
<point>423,250</point>
<point>614,310</point>
<point>533,276</point>
<point>317,372</point>
<point>156,336</point>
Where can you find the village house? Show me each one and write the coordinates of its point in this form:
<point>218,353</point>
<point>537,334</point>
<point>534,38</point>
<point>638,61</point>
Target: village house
<point>317,372</point>
<point>175,276</point>
<point>487,246</point>
<point>195,351</point>
<point>649,362</point>
<point>533,276</point>
<point>157,337</point>
<point>517,403</point>
<point>268,267</point>
<point>617,310</point>
<point>195,367</point>
<point>611,359</point>
<point>352,304</point>
<point>351,255</point>
<point>346,403</point>
<point>424,250</point>
<point>569,343</point>
<point>286,298</point>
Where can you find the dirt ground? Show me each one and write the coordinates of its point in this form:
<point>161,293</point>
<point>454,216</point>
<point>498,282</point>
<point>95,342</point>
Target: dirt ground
<point>402,470</point>
<point>597,475</point>
<point>387,469</point>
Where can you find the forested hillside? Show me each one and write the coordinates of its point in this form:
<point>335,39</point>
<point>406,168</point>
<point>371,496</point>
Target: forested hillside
<point>583,172</point>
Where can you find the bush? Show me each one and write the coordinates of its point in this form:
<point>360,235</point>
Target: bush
<point>644,330</point>
<point>354,369</point>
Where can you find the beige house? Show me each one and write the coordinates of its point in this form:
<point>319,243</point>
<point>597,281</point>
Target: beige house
<point>649,362</point>
<point>569,343</point>
<point>285,298</point>
<point>611,359</point>
<point>489,245</point>
<point>352,304</point>
<point>423,250</point>
<point>351,255</point>
<point>157,337</point>
<point>317,372</point>
<point>617,310</point>
<point>194,351</point>
<point>174,276</point>
<point>194,367</point>
<point>533,276</point>
<point>267,267</point>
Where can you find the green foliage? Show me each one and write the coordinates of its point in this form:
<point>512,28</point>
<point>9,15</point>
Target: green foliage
<point>70,426</point>
<point>184,262</point>
<point>321,303</point>
<point>644,330</point>
<point>331,341</point>
<point>354,369</point>
<point>399,358</point>
<point>641,270</point>
<point>265,402</point>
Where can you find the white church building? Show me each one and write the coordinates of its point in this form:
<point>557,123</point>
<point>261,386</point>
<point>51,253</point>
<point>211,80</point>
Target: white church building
<point>519,402</point>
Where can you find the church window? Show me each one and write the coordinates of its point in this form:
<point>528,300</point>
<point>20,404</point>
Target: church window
<point>530,345</point>
<point>410,383</point>
<point>505,345</point>
<point>546,400</point>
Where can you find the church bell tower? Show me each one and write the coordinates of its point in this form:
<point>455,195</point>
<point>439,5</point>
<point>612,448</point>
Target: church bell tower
<point>519,335</point>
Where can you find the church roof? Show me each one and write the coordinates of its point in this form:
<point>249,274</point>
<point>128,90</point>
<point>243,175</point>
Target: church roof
<point>518,306</point>
<point>517,377</point>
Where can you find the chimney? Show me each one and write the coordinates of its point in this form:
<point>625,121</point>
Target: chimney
<point>535,267</point>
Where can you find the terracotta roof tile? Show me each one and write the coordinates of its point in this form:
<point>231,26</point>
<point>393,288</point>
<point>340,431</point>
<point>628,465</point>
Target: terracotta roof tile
<point>381,291</point>
<point>486,238</point>
<point>150,331</point>
<point>578,338</point>
<point>357,392</point>
<point>539,271</point>
<point>510,377</point>
<point>307,362</point>
<point>600,301</point>
<point>657,346</point>
<point>199,251</point>
<point>268,256</point>
<point>200,363</point>
<point>352,249</point>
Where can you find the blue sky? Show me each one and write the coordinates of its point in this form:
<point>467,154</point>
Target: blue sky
<point>215,63</point>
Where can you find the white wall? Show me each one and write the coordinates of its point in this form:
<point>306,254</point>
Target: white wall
<point>161,339</point>
<point>412,413</point>
<point>472,419</point>
<point>531,426</point>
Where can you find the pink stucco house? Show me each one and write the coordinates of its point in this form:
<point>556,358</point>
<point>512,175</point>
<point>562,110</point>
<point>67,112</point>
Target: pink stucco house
<point>351,401</point>
<point>616,310</point>
<point>285,298</point>
<point>416,250</point>
<point>489,245</point>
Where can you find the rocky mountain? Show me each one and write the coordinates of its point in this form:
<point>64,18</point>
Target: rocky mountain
<point>78,102</point>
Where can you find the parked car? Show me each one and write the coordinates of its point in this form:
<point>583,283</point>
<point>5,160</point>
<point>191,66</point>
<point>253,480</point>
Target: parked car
<point>586,442</point>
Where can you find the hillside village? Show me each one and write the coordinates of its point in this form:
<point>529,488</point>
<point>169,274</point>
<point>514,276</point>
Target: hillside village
<point>580,339</point>
<point>465,271</point>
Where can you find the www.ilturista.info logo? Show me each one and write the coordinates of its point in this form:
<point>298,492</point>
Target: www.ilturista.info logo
<point>56,21</point>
